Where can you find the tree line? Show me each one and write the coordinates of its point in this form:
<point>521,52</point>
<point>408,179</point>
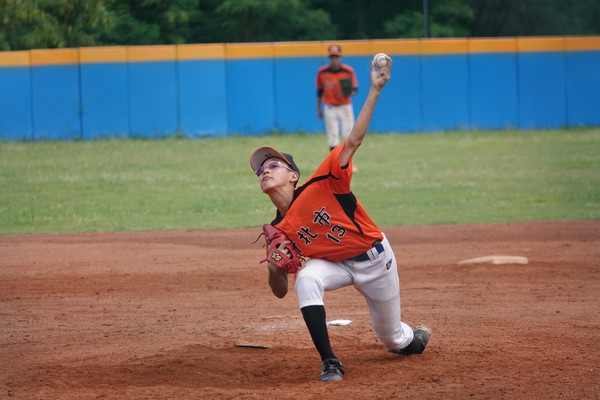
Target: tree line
<point>35,24</point>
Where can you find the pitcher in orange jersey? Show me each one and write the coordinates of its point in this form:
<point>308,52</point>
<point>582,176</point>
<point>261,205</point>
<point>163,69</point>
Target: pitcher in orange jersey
<point>328,224</point>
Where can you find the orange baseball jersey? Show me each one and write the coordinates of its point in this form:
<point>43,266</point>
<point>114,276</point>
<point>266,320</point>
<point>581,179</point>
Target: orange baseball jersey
<point>325,219</point>
<point>328,84</point>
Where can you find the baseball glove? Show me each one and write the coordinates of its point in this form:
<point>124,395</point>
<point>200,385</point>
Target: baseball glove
<point>274,237</point>
<point>347,88</point>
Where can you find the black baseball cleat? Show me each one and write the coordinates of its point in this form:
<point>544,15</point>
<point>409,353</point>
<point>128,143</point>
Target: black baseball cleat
<point>419,342</point>
<point>331,370</point>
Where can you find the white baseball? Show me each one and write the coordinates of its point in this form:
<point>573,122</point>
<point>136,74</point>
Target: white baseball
<point>380,60</point>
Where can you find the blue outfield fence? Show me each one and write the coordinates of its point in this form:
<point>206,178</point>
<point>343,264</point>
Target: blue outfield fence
<point>16,116</point>
<point>494,102</point>
<point>202,98</point>
<point>104,100</point>
<point>542,94</point>
<point>583,88</point>
<point>56,102</point>
<point>253,89</point>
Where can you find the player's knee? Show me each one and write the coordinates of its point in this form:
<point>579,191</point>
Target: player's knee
<point>308,282</point>
<point>308,287</point>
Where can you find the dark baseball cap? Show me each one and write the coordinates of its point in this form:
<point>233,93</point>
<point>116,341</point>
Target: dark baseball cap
<point>334,50</point>
<point>261,154</point>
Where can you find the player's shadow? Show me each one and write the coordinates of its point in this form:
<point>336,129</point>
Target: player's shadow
<point>194,366</point>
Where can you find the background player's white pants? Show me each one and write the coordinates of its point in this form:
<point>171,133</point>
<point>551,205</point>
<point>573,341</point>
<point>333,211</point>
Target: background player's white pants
<point>376,279</point>
<point>338,121</point>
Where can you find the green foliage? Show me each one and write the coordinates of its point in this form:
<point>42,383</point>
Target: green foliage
<point>452,18</point>
<point>26,24</point>
<point>29,24</point>
<point>272,20</point>
<point>146,22</point>
<point>136,185</point>
<point>23,25</point>
<point>408,24</point>
<point>535,17</point>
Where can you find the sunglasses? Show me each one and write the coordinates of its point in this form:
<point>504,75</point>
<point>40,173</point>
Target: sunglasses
<point>272,165</point>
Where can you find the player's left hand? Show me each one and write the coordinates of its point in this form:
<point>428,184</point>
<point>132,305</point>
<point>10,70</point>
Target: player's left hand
<point>379,77</point>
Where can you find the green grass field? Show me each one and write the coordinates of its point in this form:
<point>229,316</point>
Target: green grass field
<point>436,178</point>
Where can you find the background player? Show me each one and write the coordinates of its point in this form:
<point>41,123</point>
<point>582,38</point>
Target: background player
<point>336,83</point>
<point>327,223</point>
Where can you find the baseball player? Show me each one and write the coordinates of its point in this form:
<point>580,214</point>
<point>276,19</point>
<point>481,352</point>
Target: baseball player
<point>329,226</point>
<point>336,83</point>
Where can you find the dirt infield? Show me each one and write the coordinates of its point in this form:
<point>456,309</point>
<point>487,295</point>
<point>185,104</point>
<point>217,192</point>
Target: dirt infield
<point>157,315</point>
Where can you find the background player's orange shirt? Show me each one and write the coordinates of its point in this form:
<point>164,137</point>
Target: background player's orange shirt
<point>325,220</point>
<point>328,81</point>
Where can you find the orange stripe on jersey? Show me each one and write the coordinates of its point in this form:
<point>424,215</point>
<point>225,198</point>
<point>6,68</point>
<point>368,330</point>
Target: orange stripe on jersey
<point>325,219</point>
<point>329,82</point>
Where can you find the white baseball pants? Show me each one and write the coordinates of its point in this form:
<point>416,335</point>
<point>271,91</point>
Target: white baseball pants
<point>376,279</point>
<point>338,122</point>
